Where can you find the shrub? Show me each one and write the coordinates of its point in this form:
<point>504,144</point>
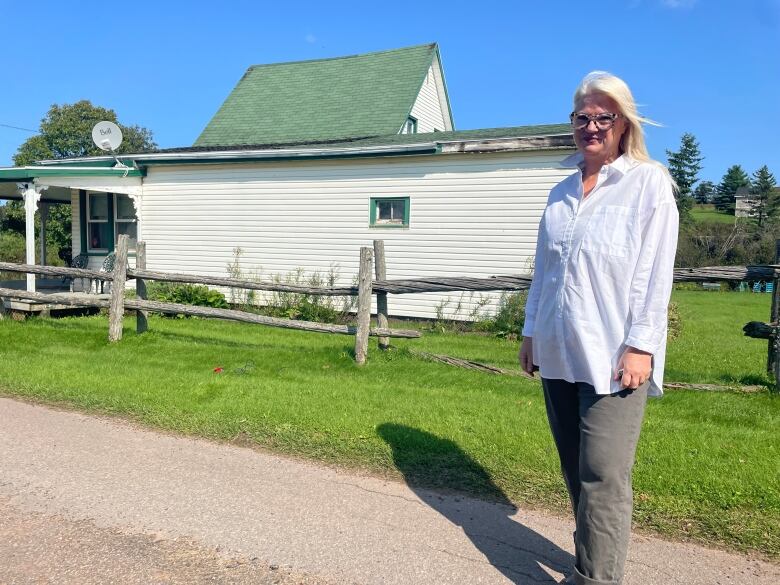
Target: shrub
<point>12,249</point>
<point>186,294</point>
<point>509,318</point>
<point>714,244</point>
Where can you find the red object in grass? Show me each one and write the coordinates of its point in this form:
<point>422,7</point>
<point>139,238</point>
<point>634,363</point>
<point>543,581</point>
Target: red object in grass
<point>218,370</point>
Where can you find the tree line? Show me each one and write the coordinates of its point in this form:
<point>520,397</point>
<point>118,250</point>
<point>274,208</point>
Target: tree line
<point>762,196</point>
<point>749,239</point>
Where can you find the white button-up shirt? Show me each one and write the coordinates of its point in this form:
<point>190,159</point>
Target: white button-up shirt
<point>603,274</point>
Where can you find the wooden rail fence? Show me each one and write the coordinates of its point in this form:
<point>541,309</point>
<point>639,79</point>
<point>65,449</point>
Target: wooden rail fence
<point>372,260</point>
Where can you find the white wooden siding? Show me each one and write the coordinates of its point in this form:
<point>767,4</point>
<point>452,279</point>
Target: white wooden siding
<point>474,215</point>
<point>427,107</point>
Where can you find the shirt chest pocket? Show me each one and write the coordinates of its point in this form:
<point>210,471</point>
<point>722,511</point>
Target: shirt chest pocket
<point>611,231</point>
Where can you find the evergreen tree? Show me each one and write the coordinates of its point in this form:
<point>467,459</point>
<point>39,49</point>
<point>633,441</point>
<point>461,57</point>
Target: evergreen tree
<point>734,178</point>
<point>764,204</point>
<point>684,166</point>
<point>704,192</point>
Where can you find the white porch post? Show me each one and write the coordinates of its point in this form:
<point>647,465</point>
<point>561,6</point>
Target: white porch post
<point>44,211</point>
<point>31,199</point>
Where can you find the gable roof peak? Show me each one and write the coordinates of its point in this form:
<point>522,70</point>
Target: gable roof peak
<point>367,94</point>
<point>429,46</point>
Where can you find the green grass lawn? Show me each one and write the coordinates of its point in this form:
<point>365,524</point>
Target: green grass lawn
<point>707,466</point>
<point>708,214</point>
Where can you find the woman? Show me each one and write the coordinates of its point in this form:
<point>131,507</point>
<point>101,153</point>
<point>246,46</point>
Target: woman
<point>595,321</point>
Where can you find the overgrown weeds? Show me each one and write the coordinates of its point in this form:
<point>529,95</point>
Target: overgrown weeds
<point>291,305</point>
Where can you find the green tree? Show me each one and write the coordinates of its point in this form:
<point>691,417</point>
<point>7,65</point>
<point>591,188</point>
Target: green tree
<point>66,132</point>
<point>704,192</point>
<point>734,178</point>
<point>764,204</point>
<point>684,166</point>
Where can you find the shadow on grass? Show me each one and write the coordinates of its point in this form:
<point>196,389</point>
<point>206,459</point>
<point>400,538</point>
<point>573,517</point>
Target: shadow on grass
<point>429,462</point>
<point>756,380</point>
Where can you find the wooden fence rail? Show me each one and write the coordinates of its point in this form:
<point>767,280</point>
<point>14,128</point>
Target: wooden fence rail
<point>89,300</point>
<point>118,303</point>
<point>367,287</point>
<point>396,287</point>
<point>56,271</point>
<point>240,283</point>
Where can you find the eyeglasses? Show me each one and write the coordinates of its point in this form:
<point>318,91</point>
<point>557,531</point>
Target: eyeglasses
<point>603,121</point>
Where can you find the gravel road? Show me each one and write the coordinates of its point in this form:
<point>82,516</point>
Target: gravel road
<point>85,499</point>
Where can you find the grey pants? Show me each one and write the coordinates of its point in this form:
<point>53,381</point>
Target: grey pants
<point>596,437</point>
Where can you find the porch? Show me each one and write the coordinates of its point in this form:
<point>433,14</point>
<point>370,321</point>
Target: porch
<point>19,308</point>
<point>39,188</point>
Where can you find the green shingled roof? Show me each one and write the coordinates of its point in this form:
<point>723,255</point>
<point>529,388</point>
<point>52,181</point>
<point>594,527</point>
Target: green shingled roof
<point>361,95</point>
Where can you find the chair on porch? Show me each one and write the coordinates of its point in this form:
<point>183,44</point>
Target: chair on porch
<point>79,261</point>
<point>108,266</point>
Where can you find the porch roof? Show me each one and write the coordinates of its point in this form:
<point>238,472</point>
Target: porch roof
<point>26,174</point>
<point>59,180</point>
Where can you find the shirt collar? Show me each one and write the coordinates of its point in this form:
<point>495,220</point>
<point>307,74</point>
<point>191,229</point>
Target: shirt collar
<point>622,164</point>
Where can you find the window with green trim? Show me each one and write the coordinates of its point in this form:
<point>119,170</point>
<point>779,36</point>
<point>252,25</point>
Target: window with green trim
<point>410,126</point>
<point>389,212</point>
<point>98,224</point>
<point>108,215</point>
<point>125,221</point>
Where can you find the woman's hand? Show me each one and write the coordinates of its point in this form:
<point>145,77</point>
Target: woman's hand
<point>636,366</point>
<point>526,356</point>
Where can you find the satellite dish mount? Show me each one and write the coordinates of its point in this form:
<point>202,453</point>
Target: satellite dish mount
<point>108,136</point>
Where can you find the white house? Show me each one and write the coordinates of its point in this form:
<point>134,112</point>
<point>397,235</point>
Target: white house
<point>304,163</point>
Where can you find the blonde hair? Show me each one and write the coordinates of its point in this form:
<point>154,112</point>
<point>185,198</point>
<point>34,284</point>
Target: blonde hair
<point>632,142</point>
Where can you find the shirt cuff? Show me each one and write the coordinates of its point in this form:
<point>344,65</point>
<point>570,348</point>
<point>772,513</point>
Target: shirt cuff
<point>643,340</point>
<point>528,327</point>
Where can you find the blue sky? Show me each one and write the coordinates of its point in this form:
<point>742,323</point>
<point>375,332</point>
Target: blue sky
<point>710,67</point>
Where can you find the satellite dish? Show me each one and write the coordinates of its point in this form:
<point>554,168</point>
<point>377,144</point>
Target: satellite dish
<point>107,136</point>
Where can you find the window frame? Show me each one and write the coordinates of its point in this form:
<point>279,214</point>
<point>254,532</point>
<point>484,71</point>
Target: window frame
<point>111,221</point>
<point>374,222</point>
<point>107,221</point>
<point>411,124</point>
<point>117,220</point>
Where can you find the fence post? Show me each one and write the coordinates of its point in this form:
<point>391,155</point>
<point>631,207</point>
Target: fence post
<point>772,362</point>
<point>116,309</point>
<point>381,298</point>
<point>364,306</point>
<point>141,317</point>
